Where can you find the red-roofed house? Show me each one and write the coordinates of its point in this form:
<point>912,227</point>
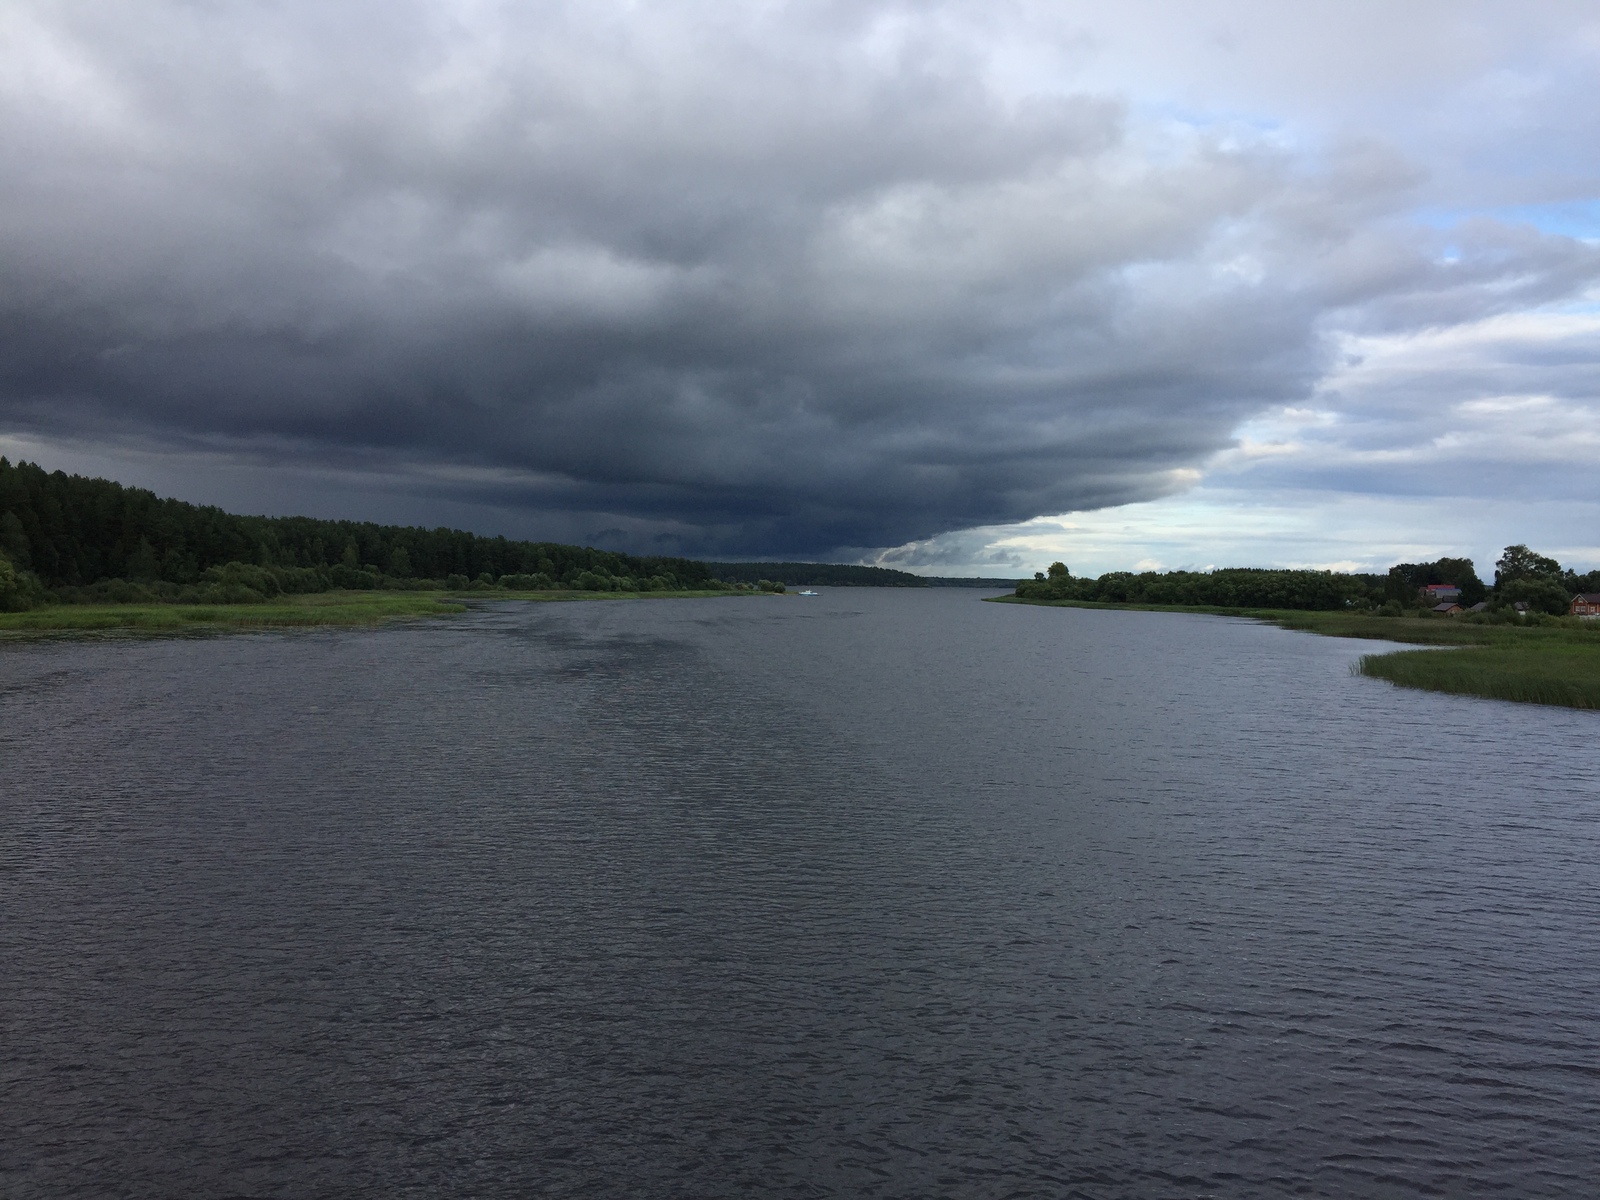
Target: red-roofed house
<point>1586,604</point>
<point>1434,593</point>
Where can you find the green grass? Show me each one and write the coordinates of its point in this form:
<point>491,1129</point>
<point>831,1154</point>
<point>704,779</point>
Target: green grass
<point>1553,662</point>
<point>1548,673</point>
<point>322,608</point>
<point>325,608</point>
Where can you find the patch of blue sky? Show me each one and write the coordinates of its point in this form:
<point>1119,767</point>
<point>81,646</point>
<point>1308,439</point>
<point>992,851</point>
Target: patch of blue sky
<point>1583,306</point>
<point>1234,129</point>
<point>1568,218</point>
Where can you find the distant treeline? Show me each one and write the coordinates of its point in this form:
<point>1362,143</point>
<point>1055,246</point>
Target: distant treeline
<point>1238,587</point>
<point>809,574</point>
<point>69,538</point>
<point>1521,575</point>
<point>972,581</point>
<point>805,574</point>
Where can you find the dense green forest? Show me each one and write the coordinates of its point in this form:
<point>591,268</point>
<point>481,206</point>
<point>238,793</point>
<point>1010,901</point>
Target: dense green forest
<point>66,538</point>
<point>1520,575</point>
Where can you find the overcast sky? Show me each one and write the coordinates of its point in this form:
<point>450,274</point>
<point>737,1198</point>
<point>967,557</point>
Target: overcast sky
<point>963,288</point>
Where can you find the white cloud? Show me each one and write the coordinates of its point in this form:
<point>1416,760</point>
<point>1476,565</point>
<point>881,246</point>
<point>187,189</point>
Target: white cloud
<point>1214,527</point>
<point>1407,451</point>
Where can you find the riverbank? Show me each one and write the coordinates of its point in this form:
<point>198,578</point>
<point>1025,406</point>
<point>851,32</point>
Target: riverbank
<point>319,608</point>
<point>1551,662</point>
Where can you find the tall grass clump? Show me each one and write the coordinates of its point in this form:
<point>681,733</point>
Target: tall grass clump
<point>1566,675</point>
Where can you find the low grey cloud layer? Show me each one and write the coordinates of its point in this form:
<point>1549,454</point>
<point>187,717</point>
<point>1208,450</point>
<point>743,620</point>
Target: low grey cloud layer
<point>786,279</point>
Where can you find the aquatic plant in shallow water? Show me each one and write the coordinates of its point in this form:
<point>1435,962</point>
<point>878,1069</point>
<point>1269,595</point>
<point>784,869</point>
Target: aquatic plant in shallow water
<point>1567,675</point>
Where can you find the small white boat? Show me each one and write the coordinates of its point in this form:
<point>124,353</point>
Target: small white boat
<point>809,593</point>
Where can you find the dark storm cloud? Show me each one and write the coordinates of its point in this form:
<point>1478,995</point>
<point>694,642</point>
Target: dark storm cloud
<point>780,280</point>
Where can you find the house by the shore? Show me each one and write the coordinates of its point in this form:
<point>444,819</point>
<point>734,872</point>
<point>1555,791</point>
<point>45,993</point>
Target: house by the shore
<point>1448,609</point>
<point>1437,593</point>
<point>1585,604</point>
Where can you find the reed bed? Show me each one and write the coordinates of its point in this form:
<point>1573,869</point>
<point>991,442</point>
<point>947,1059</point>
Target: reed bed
<point>1567,675</point>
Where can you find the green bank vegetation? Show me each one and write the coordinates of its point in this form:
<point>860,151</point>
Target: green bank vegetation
<point>1518,647</point>
<point>329,608</point>
<point>1521,577</point>
<point>322,608</point>
<point>1534,673</point>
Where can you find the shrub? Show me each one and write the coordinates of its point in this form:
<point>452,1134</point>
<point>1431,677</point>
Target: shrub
<point>298,581</point>
<point>234,576</point>
<point>353,579</point>
<point>12,596</point>
<point>525,582</point>
<point>230,593</point>
<point>120,591</point>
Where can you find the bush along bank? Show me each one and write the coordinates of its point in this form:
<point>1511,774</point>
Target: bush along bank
<point>1526,585</point>
<point>1230,588</point>
<point>19,590</point>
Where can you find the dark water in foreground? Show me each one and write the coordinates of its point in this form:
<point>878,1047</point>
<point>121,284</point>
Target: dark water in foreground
<point>877,894</point>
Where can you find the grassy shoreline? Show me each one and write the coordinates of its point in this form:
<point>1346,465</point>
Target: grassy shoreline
<point>346,608</point>
<point>1547,663</point>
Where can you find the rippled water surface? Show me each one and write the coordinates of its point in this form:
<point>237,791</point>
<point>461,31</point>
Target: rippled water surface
<point>883,893</point>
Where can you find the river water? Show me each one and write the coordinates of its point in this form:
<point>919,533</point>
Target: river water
<point>882,893</point>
